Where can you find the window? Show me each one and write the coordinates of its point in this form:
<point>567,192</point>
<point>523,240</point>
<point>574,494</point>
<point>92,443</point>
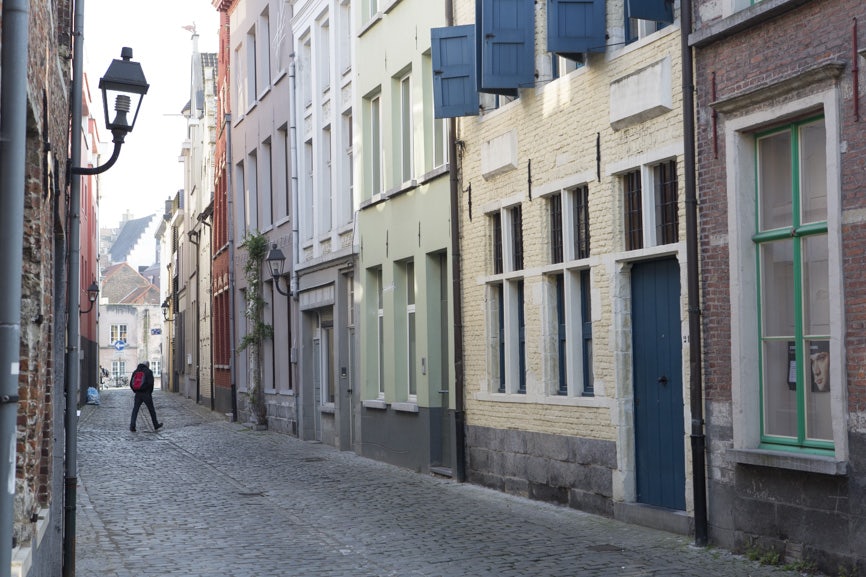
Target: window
<point>516,239</point>
<point>645,17</point>
<point>280,35</point>
<point>380,332</point>
<point>240,81</point>
<point>519,333</point>
<point>348,201</point>
<point>118,372</point>
<point>586,333</point>
<point>267,184</point>
<point>570,329</point>
<point>561,66</point>
<point>325,199</point>
<point>263,53</point>
<point>155,366</point>
<point>345,38</point>
<point>251,66</point>
<point>411,346</point>
<point>372,9</point>
<point>118,333</point>
<point>561,338</point>
<point>324,53</point>
<point>306,70</point>
<point>440,142</point>
<point>667,205</point>
<point>405,129</point>
<point>792,252</point>
<point>555,206</point>
<point>326,323</point>
<point>243,219</point>
<point>580,202</point>
<point>251,196</point>
<point>496,225</point>
<point>308,196</point>
<point>374,127</point>
<point>633,210</point>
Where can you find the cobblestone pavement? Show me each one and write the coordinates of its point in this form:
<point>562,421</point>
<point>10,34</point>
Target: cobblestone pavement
<point>205,497</point>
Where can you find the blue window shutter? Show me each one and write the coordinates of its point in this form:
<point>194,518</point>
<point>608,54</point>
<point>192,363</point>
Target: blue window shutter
<point>575,27</point>
<point>454,84</point>
<point>507,44</point>
<point>658,10</point>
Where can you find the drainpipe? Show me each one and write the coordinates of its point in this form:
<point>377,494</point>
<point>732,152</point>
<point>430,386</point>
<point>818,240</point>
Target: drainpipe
<point>293,286</point>
<point>73,320</point>
<point>195,234</point>
<point>231,220</point>
<point>210,336</point>
<point>13,144</point>
<point>457,289</point>
<point>698,440</point>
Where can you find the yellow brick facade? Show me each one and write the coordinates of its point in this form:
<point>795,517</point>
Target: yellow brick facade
<point>564,135</point>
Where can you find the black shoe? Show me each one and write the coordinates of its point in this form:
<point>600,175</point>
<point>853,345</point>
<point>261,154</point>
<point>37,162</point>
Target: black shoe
<point>157,427</point>
<point>132,429</point>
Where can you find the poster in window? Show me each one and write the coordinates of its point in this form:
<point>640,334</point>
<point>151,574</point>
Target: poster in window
<point>792,366</point>
<point>819,360</point>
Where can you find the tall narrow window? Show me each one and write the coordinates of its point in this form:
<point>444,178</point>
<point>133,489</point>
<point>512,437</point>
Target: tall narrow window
<point>252,190</point>
<point>411,360</point>
<point>496,222</point>
<point>633,210</point>
<point>555,205</point>
<point>440,142</point>
<point>517,238</point>
<point>325,200</point>
<point>307,223</point>
<point>562,344</point>
<point>348,201</point>
<point>324,54</point>
<point>380,332</point>
<point>499,303</point>
<point>406,128</point>
<point>263,52</point>
<point>267,181</point>
<point>793,281</point>
<point>667,220</point>
<point>521,339</point>
<point>375,146</point>
<point>581,222</point>
<point>586,330</point>
<point>251,66</point>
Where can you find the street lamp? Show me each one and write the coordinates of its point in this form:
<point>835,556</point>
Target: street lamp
<point>166,309</point>
<point>92,293</point>
<point>123,81</point>
<point>276,259</point>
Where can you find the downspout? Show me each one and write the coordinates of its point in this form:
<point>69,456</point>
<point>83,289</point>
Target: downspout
<point>13,144</point>
<point>73,320</point>
<point>210,336</point>
<point>230,220</point>
<point>293,285</point>
<point>194,234</point>
<point>696,392</point>
<point>457,289</point>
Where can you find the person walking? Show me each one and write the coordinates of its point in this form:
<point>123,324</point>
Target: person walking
<point>141,382</point>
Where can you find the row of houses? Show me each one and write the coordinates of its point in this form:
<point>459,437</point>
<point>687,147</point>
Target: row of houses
<point>599,253</point>
<point>606,254</point>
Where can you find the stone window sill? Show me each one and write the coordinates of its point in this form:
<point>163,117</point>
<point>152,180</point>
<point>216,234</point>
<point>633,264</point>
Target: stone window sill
<point>793,461</point>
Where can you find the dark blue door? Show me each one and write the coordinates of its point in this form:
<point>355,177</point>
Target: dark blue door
<point>658,384</point>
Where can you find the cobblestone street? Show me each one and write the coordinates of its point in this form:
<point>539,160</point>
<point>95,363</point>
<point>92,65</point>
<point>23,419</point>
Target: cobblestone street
<point>205,497</point>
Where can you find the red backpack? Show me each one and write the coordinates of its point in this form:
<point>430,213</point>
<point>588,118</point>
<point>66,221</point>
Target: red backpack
<point>137,381</point>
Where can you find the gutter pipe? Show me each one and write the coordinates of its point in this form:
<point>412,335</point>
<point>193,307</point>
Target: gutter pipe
<point>293,283</point>
<point>13,144</point>
<point>696,392</point>
<point>231,231</point>
<point>457,289</point>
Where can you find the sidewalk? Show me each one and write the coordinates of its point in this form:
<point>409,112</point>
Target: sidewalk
<point>205,497</point>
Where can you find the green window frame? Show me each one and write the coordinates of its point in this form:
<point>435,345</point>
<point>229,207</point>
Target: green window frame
<point>791,244</point>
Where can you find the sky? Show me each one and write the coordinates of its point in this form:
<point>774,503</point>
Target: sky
<point>147,172</point>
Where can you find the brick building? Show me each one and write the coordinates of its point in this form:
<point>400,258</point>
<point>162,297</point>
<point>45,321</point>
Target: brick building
<point>780,157</point>
<point>574,255</point>
<point>39,487</point>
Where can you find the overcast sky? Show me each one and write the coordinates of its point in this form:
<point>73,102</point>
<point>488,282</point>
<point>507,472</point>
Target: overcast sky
<point>147,172</point>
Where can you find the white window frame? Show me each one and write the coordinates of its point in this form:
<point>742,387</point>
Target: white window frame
<point>405,123</point>
<point>745,367</point>
<point>411,333</point>
<point>380,332</point>
<point>374,131</point>
<point>263,53</point>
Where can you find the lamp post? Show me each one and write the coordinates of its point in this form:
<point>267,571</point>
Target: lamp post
<point>166,309</point>
<point>276,260</point>
<point>92,293</point>
<point>124,80</point>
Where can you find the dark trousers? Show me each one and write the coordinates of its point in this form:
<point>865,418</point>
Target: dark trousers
<point>147,399</point>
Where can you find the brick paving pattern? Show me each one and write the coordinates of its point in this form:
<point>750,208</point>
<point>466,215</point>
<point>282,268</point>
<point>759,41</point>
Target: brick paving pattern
<point>205,497</point>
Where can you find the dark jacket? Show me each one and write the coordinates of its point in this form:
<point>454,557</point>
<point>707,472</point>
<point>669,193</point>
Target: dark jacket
<point>148,378</point>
